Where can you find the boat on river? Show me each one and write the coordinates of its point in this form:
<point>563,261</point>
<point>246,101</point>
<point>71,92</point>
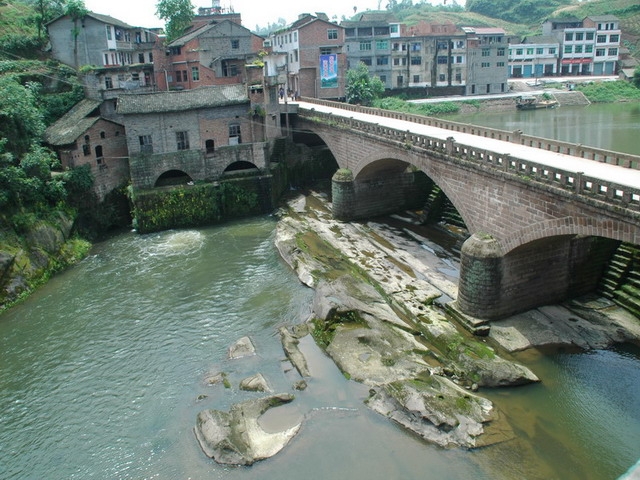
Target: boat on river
<point>533,103</point>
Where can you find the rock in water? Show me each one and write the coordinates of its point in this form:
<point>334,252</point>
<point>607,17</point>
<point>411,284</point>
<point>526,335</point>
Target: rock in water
<point>242,348</point>
<point>236,438</point>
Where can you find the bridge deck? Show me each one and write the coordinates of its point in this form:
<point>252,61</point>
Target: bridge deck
<point>591,168</point>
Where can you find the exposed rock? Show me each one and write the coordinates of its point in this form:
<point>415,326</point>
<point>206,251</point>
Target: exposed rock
<point>439,411</point>
<point>242,348</point>
<point>216,378</point>
<point>236,438</point>
<point>255,383</point>
<point>300,385</point>
<point>496,371</point>
<point>293,353</point>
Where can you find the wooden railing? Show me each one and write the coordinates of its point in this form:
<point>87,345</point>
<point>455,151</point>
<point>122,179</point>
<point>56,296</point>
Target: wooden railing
<point>619,196</point>
<point>589,153</point>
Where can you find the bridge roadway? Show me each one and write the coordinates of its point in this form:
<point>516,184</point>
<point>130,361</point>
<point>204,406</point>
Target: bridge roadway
<point>569,163</point>
<point>543,223</point>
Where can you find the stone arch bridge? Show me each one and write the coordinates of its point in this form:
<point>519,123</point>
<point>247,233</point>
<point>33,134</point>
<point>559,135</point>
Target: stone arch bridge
<point>544,215</point>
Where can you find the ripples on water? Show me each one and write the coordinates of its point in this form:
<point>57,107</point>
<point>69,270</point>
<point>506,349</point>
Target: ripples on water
<point>101,368</point>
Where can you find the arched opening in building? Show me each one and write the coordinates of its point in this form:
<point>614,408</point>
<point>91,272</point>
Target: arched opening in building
<point>209,147</point>
<point>241,167</point>
<point>173,177</point>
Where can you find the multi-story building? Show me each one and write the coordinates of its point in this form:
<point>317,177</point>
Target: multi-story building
<point>587,47</point>
<point>534,57</point>
<point>487,54</point>
<point>315,62</point>
<point>607,46</point>
<point>113,56</point>
<point>216,53</point>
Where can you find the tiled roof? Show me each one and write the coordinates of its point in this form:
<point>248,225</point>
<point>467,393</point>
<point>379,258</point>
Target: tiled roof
<point>602,18</point>
<point>540,39</point>
<point>109,20</point>
<point>203,97</point>
<point>73,124</point>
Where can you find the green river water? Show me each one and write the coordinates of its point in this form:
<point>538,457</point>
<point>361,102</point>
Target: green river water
<point>101,370</point>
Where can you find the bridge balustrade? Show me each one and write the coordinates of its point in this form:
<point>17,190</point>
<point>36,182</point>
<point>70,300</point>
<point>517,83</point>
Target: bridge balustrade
<point>588,153</point>
<point>589,188</point>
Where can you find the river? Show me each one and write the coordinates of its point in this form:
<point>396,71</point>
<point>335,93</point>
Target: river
<point>102,373</point>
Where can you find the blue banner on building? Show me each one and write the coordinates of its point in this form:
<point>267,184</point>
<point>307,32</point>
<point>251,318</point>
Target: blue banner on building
<point>329,71</point>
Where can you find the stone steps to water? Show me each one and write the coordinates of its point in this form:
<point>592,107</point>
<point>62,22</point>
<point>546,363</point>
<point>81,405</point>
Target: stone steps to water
<point>568,98</point>
<point>620,281</point>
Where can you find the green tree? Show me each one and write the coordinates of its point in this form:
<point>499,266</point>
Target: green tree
<point>177,14</point>
<point>636,77</point>
<point>362,88</point>
<point>21,122</point>
<point>46,10</point>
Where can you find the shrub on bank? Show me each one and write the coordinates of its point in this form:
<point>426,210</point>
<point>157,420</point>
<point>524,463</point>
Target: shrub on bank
<point>609,92</point>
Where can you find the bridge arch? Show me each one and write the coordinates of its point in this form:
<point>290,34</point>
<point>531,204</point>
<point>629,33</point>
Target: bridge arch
<point>173,177</point>
<point>240,166</point>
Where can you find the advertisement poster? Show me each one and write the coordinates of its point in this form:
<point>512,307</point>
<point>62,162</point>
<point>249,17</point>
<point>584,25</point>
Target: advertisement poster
<point>329,71</point>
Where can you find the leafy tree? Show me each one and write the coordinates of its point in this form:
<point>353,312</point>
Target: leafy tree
<point>362,88</point>
<point>21,121</point>
<point>177,15</point>
<point>636,77</point>
<point>46,10</point>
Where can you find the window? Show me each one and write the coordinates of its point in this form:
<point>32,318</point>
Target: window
<point>501,52</point>
<point>579,36</point>
<point>459,59</point>
<point>552,50</point>
<point>229,69</point>
<point>235,44</point>
<point>99,154</point>
<point>486,52</point>
<point>234,133</point>
<point>589,36</point>
<point>332,34</point>
<point>500,64</point>
<point>195,74</point>
<point>578,49</point>
<point>365,46</point>
<point>416,60</point>
<point>108,83</point>
<point>175,50</point>
<point>601,39</point>
<point>416,47</point>
<point>613,52</point>
<point>519,51</point>
<point>382,44</point>
<point>396,61</point>
<point>600,52</point>
<point>108,32</point>
<point>146,146</point>
<point>382,60</point>
<point>141,58</point>
<point>442,78</point>
<point>458,77</point>
<point>366,60</point>
<point>103,135</point>
<point>442,60</point>
<point>568,37</point>
<point>325,50</point>
<point>442,45</point>
<point>416,79</point>
<point>568,49</point>
<point>529,51</point>
<point>209,146</point>
<point>383,78</point>
<point>485,64</point>
<point>539,51</point>
<point>86,149</point>
<point>182,140</point>
<point>399,80</point>
<point>614,38</point>
<point>394,28</point>
<point>295,55</point>
<point>588,48</point>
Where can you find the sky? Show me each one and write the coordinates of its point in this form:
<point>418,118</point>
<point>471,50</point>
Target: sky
<point>141,13</point>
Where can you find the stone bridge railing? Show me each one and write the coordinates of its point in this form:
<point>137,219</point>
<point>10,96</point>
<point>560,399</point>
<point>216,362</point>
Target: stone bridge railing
<point>586,187</point>
<point>581,151</point>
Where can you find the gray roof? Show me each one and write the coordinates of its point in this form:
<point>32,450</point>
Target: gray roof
<point>73,124</point>
<point>540,39</point>
<point>602,18</point>
<point>203,97</point>
<point>205,28</point>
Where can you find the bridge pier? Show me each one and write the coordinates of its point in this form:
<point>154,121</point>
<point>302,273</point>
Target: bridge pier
<point>354,199</point>
<point>547,271</point>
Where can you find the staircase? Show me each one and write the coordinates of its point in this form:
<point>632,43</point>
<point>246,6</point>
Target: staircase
<point>621,279</point>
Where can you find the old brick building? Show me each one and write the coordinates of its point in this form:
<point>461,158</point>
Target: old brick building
<point>83,137</point>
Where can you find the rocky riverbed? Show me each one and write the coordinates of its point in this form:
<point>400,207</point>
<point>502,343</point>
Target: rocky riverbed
<point>379,313</point>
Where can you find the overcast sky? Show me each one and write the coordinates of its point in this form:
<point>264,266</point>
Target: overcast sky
<point>254,12</point>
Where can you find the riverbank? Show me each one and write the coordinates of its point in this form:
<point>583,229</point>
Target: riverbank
<point>379,313</point>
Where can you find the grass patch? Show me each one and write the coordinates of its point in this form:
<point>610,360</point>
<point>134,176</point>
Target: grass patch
<point>609,92</point>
